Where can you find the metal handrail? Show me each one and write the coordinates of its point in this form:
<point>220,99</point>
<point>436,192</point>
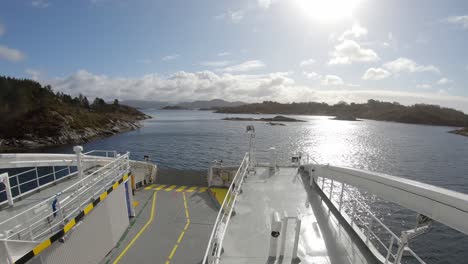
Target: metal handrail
<point>374,221</point>
<point>106,152</point>
<point>225,212</point>
<point>79,195</point>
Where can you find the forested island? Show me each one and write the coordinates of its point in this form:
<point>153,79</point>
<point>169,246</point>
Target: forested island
<point>32,115</point>
<point>373,109</point>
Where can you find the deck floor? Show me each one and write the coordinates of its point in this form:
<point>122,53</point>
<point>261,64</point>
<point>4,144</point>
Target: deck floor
<point>161,241</point>
<point>322,238</point>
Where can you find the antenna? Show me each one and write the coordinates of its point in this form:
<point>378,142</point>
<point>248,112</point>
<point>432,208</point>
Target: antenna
<point>250,130</point>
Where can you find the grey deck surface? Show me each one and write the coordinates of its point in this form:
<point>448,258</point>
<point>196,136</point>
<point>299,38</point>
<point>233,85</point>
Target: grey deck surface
<point>322,238</point>
<point>155,244</point>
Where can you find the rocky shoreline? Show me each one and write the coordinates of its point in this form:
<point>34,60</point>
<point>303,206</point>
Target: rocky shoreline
<point>69,135</point>
<point>462,132</point>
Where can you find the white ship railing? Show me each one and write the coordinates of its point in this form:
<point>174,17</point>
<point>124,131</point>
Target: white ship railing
<point>215,244</point>
<point>44,219</point>
<point>355,213</point>
<point>447,207</point>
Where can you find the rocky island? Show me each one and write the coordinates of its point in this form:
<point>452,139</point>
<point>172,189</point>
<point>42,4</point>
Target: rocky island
<point>34,116</point>
<point>269,120</point>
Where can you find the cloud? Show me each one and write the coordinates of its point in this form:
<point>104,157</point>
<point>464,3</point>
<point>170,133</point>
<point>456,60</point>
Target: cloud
<point>312,75</point>
<point>409,66</point>
<point>264,3</point>
<point>444,81</point>
<point>2,29</point>
<point>170,57</point>
<point>245,66</point>
<point>307,62</point>
<point>34,74</point>
<point>355,32</point>
<point>349,51</point>
<point>331,80</point>
<point>459,20</point>
<point>40,3</point>
<point>424,86</point>
<point>11,54</point>
<point>215,63</point>
<point>179,86</point>
<point>225,53</point>
<point>233,16</point>
<point>375,74</point>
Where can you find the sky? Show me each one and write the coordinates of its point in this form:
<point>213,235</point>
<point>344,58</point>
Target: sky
<point>248,50</point>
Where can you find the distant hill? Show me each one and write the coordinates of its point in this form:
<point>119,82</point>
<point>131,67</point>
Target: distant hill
<point>373,109</point>
<point>32,116</point>
<point>142,104</point>
<point>215,103</point>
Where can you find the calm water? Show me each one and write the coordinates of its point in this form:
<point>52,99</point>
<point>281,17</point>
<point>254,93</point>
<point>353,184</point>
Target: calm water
<point>193,139</point>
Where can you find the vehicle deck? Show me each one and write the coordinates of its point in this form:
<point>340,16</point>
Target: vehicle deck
<point>177,231</point>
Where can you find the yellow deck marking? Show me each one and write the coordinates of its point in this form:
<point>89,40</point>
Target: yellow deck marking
<point>181,236</point>
<point>135,203</point>
<point>39,248</point>
<point>181,188</point>
<point>103,196</point>
<point>69,226</point>
<point>170,188</point>
<point>220,194</point>
<point>160,187</point>
<point>88,208</point>
<point>191,189</point>
<point>202,189</point>
<point>150,187</point>
<point>139,233</point>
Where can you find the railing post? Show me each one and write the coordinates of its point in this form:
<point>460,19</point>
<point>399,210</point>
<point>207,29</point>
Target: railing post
<point>37,178</point>
<point>341,197</point>
<point>295,258</point>
<point>389,249</point>
<point>353,214</point>
<point>53,171</point>
<point>331,190</point>
<point>6,181</point>
<point>275,233</point>
<point>7,249</point>
<point>18,184</point>
<point>284,230</point>
<point>369,228</point>
<point>78,150</point>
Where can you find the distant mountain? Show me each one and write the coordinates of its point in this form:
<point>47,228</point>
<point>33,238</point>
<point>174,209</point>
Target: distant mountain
<point>142,104</point>
<point>215,103</point>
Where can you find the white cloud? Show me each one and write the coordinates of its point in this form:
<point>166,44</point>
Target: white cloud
<point>180,86</point>
<point>375,74</point>
<point>215,63</point>
<point>349,51</point>
<point>225,53</point>
<point>407,65</point>
<point>11,54</point>
<point>2,29</point>
<point>264,3</point>
<point>307,62</point>
<point>459,20</point>
<point>424,86</point>
<point>245,66</point>
<point>34,74</point>
<point>355,32</point>
<point>444,81</point>
<point>170,57</point>
<point>233,16</point>
<point>332,80</point>
<point>40,3</point>
<point>312,75</point>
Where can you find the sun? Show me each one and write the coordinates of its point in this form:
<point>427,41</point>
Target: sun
<point>328,10</point>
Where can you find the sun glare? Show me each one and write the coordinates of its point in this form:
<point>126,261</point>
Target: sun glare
<point>328,10</point>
